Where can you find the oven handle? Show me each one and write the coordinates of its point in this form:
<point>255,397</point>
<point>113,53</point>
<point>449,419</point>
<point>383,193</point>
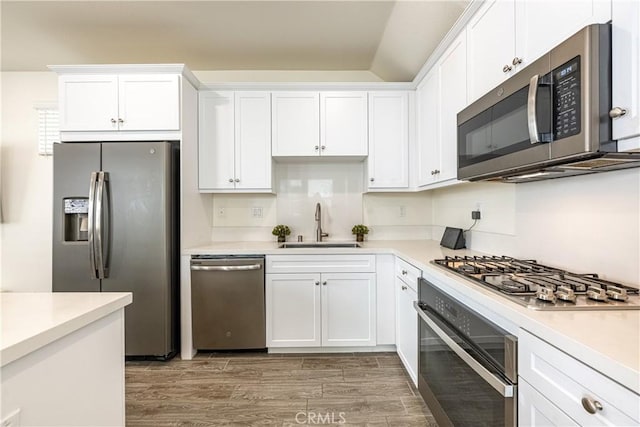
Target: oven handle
<point>505,389</point>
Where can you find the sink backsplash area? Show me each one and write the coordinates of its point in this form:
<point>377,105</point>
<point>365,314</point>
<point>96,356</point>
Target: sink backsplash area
<point>339,188</point>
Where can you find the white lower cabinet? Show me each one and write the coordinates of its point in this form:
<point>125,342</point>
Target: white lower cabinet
<point>556,389</point>
<point>406,316</point>
<point>536,410</point>
<point>328,309</point>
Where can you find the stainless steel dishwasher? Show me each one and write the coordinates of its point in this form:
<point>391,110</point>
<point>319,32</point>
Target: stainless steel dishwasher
<point>227,302</point>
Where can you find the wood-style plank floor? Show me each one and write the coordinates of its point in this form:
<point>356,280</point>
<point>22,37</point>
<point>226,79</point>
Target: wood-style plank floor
<point>251,389</point>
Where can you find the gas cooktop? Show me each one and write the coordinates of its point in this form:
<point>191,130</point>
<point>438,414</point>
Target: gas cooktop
<point>540,287</point>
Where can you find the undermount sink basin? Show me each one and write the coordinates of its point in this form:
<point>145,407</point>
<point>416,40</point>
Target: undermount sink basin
<point>302,245</point>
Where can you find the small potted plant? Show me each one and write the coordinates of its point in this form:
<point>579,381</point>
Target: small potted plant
<point>282,231</point>
<point>360,230</point>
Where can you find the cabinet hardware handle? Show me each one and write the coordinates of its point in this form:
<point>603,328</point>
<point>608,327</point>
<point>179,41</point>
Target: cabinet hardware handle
<point>324,283</point>
<point>230,179</point>
<point>113,121</point>
<point>404,272</point>
<point>617,112</point>
<point>316,148</point>
<point>516,61</point>
<point>120,120</point>
<point>590,405</point>
<point>323,147</point>
<point>237,180</point>
<point>404,288</point>
<point>317,283</point>
<point>371,179</point>
<point>507,68</point>
<point>437,171</point>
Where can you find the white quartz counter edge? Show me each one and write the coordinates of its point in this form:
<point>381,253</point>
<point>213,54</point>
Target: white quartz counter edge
<point>32,320</point>
<point>610,343</point>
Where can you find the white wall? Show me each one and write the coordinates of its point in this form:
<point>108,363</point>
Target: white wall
<point>25,234</point>
<point>590,224</point>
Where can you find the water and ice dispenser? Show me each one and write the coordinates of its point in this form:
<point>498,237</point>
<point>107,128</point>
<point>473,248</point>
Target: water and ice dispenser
<point>76,219</point>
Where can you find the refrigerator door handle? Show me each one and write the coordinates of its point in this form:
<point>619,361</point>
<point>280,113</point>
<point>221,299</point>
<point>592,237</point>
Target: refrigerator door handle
<point>103,178</point>
<point>91,227</point>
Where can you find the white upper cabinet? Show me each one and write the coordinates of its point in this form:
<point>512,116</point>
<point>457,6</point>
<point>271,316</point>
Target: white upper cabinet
<point>388,162</point>
<point>253,140</point>
<point>626,73</point>
<point>88,103</point>
<point>216,140</point>
<point>149,102</point>
<point>343,123</point>
<point>295,123</point>
<point>319,124</point>
<point>506,35</point>
<point>234,141</point>
<point>542,25</point>
<point>452,98</point>
<point>491,46</point>
<point>427,122</point>
<point>112,102</point>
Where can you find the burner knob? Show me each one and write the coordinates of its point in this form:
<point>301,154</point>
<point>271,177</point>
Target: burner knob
<point>546,294</point>
<point>596,293</point>
<point>565,293</point>
<point>617,294</point>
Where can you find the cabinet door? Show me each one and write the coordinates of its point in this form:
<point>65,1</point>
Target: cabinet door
<point>407,328</point>
<point>216,141</point>
<point>149,102</point>
<point>348,309</point>
<point>452,89</point>
<point>343,123</point>
<point>536,410</point>
<point>295,129</point>
<point>541,26</point>
<point>491,46</point>
<point>293,310</point>
<point>253,140</point>
<point>428,116</point>
<point>626,71</point>
<point>388,161</point>
<point>88,103</point>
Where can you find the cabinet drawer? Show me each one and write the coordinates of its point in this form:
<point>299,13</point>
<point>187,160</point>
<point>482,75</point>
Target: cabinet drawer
<point>320,264</point>
<point>408,273</point>
<point>565,381</point>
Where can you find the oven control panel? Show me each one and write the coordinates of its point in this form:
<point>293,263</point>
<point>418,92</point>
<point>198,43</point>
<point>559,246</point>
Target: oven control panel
<point>453,315</point>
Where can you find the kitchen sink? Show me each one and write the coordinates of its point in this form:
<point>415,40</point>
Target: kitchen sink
<point>301,245</point>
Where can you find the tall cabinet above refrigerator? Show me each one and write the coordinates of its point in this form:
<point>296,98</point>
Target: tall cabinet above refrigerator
<point>115,229</point>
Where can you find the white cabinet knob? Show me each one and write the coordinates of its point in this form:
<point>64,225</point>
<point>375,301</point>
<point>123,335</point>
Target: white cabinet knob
<point>617,112</point>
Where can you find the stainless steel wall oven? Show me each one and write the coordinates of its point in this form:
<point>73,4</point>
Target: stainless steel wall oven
<point>467,371</point>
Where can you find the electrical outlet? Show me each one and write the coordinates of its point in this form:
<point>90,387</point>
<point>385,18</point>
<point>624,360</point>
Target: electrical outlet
<point>256,212</point>
<point>475,215</point>
<point>221,213</point>
<point>403,211</point>
<point>12,420</point>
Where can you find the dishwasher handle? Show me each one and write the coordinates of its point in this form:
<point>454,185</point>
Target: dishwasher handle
<point>247,267</point>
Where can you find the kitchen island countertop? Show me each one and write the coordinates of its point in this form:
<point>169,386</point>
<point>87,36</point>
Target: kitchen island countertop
<point>607,341</point>
<point>29,321</point>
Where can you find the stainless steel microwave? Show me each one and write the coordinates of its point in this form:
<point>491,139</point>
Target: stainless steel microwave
<point>549,120</point>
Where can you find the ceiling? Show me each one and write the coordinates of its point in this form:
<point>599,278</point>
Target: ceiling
<point>391,39</point>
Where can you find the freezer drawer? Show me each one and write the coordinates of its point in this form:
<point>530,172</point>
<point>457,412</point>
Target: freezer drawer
<point>227,303</point>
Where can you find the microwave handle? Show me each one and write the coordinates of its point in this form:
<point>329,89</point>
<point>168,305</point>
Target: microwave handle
<point>532,119</point>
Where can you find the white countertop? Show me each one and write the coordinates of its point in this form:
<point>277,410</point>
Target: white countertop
<point>608,341</point>
<point>29,321</point>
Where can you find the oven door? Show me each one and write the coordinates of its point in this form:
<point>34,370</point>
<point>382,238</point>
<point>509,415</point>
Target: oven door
<point>458,384</point>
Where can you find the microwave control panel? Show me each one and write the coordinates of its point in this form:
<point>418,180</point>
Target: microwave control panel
<point>566,95</point>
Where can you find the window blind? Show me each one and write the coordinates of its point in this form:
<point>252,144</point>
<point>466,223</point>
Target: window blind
<point>48,130</point>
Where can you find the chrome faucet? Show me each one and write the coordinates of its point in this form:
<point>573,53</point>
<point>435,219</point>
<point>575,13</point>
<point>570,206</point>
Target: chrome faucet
<point>319,233</point>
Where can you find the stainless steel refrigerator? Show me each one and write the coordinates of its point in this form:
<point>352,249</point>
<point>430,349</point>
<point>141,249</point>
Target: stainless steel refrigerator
<point>115,229</point>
